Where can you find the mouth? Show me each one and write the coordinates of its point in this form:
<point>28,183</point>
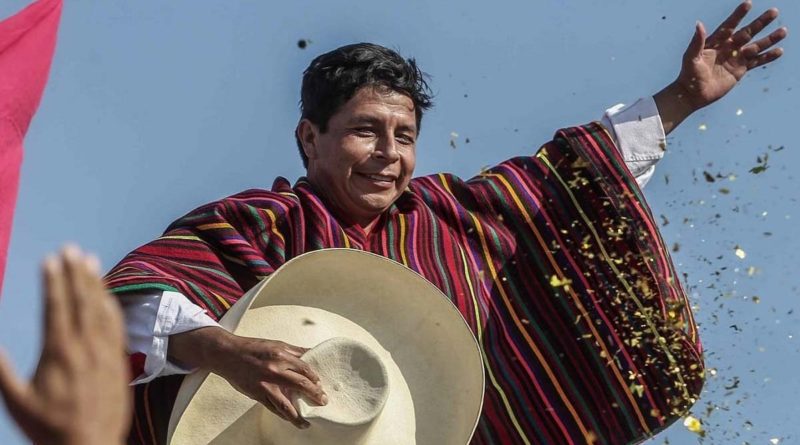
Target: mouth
<point>383,181</point>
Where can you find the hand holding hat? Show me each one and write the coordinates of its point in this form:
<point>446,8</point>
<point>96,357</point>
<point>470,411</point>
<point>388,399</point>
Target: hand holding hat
<point>270,372</point>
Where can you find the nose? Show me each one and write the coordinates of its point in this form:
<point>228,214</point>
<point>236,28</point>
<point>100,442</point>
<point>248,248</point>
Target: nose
<point>386,149</point>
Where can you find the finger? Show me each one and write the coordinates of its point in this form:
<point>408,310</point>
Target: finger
<point>114,326</point>
<point>264,400</point>
<point>13,391</point>
<point>698,43</point>
<point>93,265</point>
<point>282,404</point>
<point>299,366</point>
<point>761,45</point>
<point>76,286</point>
<point>56,311</point>
<point>300,383</point>
<point>744,35</point>
<point>267,404</point>
<point>94,283</point>
<point>728,26</point>
<point>767,57</point>
<point>295,351</point>
<point>96,295</point>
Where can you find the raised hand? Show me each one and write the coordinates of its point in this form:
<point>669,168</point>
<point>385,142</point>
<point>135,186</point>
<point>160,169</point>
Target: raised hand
<point>79,393</point>
<point>713,65</point>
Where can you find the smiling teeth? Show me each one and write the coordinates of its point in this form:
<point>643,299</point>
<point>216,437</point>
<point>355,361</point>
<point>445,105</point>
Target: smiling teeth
<point>380,178</point>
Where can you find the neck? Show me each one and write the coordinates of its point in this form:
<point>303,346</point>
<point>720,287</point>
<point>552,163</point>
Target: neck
<point>367,223</point>
<point>369,226</point>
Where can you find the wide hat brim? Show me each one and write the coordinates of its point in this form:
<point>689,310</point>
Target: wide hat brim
<point>419,326</point>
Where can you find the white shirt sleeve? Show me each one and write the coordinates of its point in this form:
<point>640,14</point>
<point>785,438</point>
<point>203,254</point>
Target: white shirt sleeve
<point>639,135</point>
<point>150,319</point>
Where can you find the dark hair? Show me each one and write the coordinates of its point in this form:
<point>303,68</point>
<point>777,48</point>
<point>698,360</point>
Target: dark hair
<point>334,78</point>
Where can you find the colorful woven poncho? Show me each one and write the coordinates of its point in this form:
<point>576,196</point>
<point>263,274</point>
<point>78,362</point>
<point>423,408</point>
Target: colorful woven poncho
<point>554,260</point>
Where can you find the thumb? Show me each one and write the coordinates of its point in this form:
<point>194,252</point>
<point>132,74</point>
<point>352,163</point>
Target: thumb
<point>698,42</point>
<point>13,391</point>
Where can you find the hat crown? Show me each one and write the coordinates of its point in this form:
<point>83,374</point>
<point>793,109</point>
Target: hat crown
<point>334,338</point>
<point>354,378</point>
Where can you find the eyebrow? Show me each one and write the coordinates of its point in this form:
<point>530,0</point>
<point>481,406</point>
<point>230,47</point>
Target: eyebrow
<point>359,120</point>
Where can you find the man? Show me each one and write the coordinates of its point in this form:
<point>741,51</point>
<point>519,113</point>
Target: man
<point>553,260</point>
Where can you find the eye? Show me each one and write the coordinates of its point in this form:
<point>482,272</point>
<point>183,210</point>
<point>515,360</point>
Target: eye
<point>364,132</point>
<point>405,139</point>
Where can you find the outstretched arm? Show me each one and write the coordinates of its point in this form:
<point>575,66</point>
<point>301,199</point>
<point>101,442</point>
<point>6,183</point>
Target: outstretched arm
<point>713,65</point>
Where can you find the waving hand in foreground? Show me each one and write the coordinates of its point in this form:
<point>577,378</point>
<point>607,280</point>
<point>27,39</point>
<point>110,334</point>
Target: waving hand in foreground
<point>79,393</point>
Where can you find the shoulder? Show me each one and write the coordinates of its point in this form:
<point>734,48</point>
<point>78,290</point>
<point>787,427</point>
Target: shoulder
<point>245,205</point>
<point>280,194</point>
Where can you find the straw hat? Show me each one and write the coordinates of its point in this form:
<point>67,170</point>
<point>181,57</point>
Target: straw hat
<point>397,360</point>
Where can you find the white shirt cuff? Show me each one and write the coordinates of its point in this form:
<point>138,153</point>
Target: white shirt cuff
<point>639,135</point>
<point>151,319</point>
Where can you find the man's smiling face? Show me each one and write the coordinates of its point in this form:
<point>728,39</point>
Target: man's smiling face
<point>366,158</point>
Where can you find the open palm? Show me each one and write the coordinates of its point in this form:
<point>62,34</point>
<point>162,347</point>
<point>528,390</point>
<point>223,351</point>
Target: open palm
<point>713,66</point>
<point>79,393</point>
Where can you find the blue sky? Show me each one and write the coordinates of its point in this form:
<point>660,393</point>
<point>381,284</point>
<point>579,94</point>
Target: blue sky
<point>154,108</point>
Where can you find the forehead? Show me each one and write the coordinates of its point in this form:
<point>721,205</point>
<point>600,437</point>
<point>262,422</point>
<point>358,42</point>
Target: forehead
<point>379,103</point>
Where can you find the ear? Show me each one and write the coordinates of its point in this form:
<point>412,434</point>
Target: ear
<point>308,134</point>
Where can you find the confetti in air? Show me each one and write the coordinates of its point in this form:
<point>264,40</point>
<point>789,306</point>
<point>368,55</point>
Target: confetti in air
<point>453,137</point>
<point>694,425</point>
<point>762,164</point>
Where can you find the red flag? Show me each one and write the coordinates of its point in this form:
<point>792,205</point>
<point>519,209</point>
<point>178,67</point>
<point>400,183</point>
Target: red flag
<point>27,41</point>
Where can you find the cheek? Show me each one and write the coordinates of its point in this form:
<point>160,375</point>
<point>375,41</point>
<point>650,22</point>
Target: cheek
<point>355,148</point>
<point>409,163</point>
<point>344,151</point>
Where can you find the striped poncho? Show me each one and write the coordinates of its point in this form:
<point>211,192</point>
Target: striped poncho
<point>554,260</point>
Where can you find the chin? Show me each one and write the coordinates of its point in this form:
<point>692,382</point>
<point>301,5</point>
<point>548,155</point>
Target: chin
<point>375,209</point>
<point>379,205</point>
